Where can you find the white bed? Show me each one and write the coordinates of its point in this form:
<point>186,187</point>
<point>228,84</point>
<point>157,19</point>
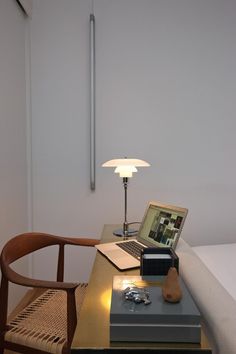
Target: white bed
<point>210,273</point>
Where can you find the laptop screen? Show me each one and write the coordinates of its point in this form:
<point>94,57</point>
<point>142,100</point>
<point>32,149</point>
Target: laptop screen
<point>161,225</point>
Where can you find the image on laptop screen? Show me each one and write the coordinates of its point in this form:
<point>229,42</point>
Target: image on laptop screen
<point>162,225</point>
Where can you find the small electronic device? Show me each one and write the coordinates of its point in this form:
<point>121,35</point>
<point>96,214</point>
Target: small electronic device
<point>157,261</point>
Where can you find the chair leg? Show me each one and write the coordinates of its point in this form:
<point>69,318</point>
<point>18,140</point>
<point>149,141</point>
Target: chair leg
<point>1,345</point>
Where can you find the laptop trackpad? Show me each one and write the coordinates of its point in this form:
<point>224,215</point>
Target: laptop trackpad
<point>116,253</point>
<point>121,259</point>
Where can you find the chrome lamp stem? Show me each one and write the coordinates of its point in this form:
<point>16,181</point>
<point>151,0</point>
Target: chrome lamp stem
<point>125,224</point>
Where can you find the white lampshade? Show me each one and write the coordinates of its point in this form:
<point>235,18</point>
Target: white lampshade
<point>126,171</point>
<point>125,167</point>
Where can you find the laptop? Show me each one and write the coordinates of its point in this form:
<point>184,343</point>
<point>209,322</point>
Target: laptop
<point>161,227</point>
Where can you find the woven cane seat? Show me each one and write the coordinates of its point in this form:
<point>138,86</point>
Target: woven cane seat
<point>43,324</point>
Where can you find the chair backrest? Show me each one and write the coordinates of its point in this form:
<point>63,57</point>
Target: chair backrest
<point>24,244</point>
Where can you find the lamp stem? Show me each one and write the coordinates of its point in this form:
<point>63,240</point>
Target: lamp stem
<point>125,225</point>
<point>125,231</point>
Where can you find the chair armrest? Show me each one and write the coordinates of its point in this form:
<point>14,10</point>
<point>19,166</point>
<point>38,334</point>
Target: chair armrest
<point>36,283</point>
<point>89,242</point>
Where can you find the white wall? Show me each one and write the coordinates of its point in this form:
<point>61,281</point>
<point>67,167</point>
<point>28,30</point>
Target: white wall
<point>59,32</point>
<point>165,87</point>
<point>13,156</point>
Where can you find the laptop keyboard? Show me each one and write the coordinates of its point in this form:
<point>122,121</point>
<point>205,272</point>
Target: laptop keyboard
<point>131,247</point>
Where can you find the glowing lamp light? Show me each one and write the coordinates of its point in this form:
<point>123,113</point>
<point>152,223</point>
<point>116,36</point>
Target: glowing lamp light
<point>125,167</point>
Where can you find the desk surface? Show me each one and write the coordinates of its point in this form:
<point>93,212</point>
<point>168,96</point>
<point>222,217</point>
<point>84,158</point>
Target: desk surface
<point>93,326</point>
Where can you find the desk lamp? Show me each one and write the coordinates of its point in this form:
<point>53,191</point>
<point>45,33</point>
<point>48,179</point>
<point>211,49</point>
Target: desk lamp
<point>125,167</point>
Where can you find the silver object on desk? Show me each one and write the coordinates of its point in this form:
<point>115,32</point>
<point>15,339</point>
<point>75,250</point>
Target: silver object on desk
<point>137,295</point>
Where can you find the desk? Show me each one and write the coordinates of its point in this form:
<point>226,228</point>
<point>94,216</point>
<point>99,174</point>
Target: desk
<point>92,332</point>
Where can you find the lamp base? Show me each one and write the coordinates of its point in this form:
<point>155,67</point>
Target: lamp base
<point>120,233</point>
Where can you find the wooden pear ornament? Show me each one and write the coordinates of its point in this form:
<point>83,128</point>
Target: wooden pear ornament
<point>171,290</point>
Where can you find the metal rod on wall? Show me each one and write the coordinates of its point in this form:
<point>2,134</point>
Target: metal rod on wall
<point>92,102</point>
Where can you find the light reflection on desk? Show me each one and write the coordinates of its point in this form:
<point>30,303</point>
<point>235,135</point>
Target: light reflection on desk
<point>106,299</point>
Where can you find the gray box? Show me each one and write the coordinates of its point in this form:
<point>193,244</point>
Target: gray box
<point>124,332</point>
<point>159,321</point>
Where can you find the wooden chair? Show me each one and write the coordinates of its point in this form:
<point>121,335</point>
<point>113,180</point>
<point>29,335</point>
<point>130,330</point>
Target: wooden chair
<point>47,324</point>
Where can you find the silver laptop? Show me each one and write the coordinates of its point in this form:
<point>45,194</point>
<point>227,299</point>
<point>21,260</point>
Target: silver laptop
<point>161,227</point>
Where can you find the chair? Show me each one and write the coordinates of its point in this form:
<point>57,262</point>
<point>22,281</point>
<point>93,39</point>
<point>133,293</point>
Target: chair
<point>48,323</point>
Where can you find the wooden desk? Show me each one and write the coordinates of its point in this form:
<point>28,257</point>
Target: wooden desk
<point>92,332</point>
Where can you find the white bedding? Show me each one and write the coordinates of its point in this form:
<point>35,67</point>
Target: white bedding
<point>221,261</point>
<point>216,304</point>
